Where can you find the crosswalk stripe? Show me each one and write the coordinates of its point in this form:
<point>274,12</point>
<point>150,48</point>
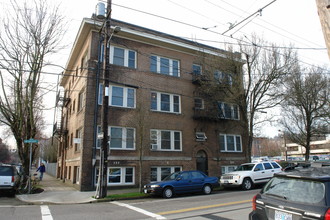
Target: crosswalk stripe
<point>45,213</point>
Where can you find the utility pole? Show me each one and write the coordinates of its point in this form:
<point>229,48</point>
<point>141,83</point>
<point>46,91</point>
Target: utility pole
<point>103,182</point>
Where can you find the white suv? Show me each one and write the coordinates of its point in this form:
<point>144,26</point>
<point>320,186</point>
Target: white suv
<point>248,174</point>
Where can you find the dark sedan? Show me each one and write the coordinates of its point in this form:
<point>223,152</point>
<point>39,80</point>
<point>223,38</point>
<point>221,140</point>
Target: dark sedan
<point>183,182</point>
<point>298,194</point>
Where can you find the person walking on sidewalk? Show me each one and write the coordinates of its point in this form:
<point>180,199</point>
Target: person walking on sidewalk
<point>41,169</point>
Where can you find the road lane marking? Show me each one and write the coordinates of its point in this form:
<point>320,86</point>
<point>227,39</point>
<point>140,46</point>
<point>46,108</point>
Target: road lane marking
<point>145,212</point>
<point>45,213</point>
<point>204,207</point>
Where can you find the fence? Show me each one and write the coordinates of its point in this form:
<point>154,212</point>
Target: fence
<point>51,168</point>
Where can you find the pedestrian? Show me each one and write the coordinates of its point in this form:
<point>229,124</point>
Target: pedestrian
<point>41,169</point>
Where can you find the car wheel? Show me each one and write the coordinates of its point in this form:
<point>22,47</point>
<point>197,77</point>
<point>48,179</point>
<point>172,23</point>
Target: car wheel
<point>207,189</point>
<point>247,184</point>
<point>168,193</point>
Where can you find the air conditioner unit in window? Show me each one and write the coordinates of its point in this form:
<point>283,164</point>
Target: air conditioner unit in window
<point>200,136</point>
<point>154,146</point>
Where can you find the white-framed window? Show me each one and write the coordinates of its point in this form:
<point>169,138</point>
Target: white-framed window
<point>230,143</point>
<point>198,103</point>
<point>228,111</point>
<point>122,57</point>
<point>120,138</point>
<point>165,66</point>
<point>227,169</point>
<point>159,173</point>
<point>165,140</point>
<point>118,176</point>
<point>119,96</point>
<point>197,69</point>
<point>165,102</point>
<point>223,78</point>
<point>122,97</point>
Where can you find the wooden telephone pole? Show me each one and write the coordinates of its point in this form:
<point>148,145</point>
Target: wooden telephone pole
<point>103,182</point>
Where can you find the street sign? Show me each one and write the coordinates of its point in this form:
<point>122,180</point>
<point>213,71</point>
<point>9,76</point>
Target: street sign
<point>31,141</point>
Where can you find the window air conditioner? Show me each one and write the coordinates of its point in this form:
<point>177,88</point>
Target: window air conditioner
<point>200,136</point>
<point>154,146</point>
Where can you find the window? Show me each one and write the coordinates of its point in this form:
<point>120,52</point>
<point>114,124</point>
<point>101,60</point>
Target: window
<point>120,138</point>
<point>223,78</point>
<point>159,173</point>
<point>228,111</point>
<point>80,101</point>
<point>197,69</point>
<point>164,66</point>
<point>268,166</point>
<point>165,102</point>
<point>118,175</point>
<point>199,103</point>
<point>122,57</point>
<point>119,96</point>
<point>84,59</point>
<point>78,139</point>
<point>230,143</point>
<point>165,140</point>
<point>100,96</point>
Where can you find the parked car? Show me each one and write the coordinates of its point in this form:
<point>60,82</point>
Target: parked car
<point>9,178</point>
<point>182,182</point>
<point>298,194</point>
<point>248,174</point>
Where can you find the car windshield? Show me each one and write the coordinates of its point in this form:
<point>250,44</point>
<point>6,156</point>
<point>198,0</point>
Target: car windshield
<point>172,176</point>
<point>296,190</point>
<point>245,167</point>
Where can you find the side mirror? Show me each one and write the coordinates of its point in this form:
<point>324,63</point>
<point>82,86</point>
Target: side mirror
<point>256,169</point>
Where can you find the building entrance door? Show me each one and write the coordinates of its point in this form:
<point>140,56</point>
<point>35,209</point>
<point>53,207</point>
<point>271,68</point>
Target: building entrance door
<point>201,162</point>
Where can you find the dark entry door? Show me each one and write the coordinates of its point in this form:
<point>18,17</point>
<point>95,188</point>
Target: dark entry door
<point>202,163</point>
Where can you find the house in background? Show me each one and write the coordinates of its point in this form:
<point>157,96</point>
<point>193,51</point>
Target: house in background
<point>162,117</point>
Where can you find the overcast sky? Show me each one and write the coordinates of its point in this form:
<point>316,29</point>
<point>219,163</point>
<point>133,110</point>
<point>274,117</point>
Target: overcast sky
<point>285,22</point>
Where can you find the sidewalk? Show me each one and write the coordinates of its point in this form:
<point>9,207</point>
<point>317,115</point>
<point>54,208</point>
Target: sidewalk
<point>57,192</point>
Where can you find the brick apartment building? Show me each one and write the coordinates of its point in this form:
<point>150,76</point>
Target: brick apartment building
<point>161,115</point>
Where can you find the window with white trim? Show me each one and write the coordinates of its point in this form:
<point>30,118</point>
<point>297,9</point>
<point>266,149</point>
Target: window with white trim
<point>165,140</point>
<point>165,102</point>
<point>122,57</point>
<point>122,97</point>
<point>159,173</point>
<point>119,96</point>
<point>120,138</point>
<point>228,111</point>
<point>118,175</point>
<point>164,66</point>
<point>230,143</point>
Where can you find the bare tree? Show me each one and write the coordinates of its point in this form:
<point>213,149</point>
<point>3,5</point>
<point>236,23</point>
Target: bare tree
<point>263,74</point>
<point>251,83</point>
<point>305,106</point>
<point>28,36</point>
